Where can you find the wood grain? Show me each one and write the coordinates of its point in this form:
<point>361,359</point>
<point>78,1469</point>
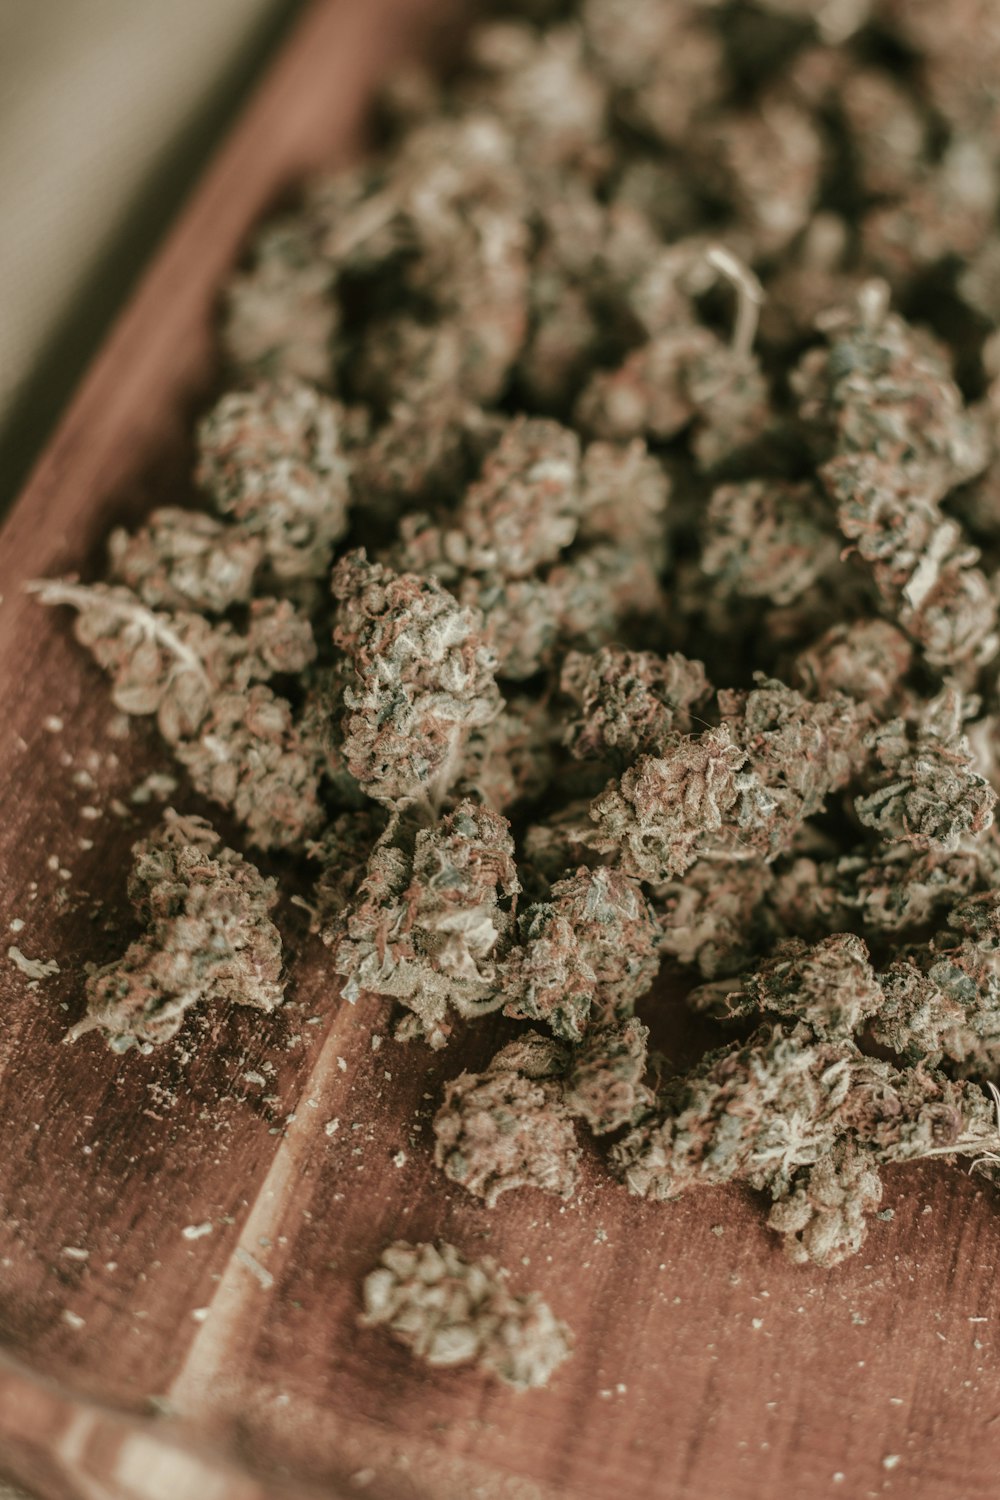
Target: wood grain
<point>226,1363</point>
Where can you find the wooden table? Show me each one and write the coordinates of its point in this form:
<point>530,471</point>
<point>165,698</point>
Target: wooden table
<point>182,1235</point>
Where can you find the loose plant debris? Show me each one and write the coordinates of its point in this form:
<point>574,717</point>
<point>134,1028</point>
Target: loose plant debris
<point>598,573</point>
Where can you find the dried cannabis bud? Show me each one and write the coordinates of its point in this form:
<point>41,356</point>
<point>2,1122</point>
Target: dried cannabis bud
<point>509,1127</point>
<point>882,404</point>
<point>831,987</point>
<point>272,459</point>
<point>524,509</point>
<point>824,1217</point>
<point>280,317</point>
<point>534,544</point>
<point>630,702</point>
<point>208,938</point>
<point>655,344</point>
<point>866,659</point>
<point>184,559</point>
<point>419,679</point>
<point>604,1080</point>
<point>770,1109</point>
<point>431,917</point>
<point>591,947</point>
<point>766,541</point>
<point>743,788</point>
<point>204,682</point>
<point>713,918</point>
<point>666,808</point>
<point>928,793</point>
<point>452,1311</point>
<point>942,999</point>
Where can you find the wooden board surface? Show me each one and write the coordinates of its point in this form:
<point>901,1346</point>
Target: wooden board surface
<point>182,1235</point>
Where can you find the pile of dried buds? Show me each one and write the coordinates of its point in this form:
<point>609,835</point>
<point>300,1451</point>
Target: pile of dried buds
<point>598,573</point>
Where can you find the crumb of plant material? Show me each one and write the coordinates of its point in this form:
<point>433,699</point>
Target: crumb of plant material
<point>158,785</point>
<point>32,968</point>
<point>450,1312</point>
<point>208,938</point>
<point>196,1231</point>
<point>252,1264</point>
<point>592,566</point>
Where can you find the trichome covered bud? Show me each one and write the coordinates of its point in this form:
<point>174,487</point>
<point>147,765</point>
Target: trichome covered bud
<point>204,681</point>
<point>418,679</point>
<point>431,918</point>
<point>831,986</point>
<point>629,702</point>
<point>208,938</point>
<point>766,1110</point>
<point>509,1126</point>
<point>451,1311</point>
<point>272,459</point>
<point>604,1084</point>
<point>927,792</point>
<point>592,947</point>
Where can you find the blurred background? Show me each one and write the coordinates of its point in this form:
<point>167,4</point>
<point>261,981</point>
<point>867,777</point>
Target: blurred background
<point>108,111</point>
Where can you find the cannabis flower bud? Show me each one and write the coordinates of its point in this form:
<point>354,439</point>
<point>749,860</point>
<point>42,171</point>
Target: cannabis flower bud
<point>452,1311</point>
<point>204,682</point>
<point>273,460</point>
<point>927,793</point>
<point>509,1127</point>
<point>766,540</point>
<point>280,315</point>
<point>209,938</point>
<point>591,946</point>
<point>665,808</point>
<point>771,1109</point>
<point>629,702</point>
<point>831,986</point>
<point>184,559</point>
<point>418,680</point>
<point>430,920</point>
<point>603,1085</point>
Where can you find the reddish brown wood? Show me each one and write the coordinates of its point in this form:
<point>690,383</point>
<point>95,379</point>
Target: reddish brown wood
<point>228,1364</point>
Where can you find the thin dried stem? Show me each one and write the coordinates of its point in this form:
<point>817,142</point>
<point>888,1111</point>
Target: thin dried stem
<point>749,296</point>
<point>78,596</point>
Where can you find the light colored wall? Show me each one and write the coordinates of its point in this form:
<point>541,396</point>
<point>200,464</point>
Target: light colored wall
<point>95,95</point>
